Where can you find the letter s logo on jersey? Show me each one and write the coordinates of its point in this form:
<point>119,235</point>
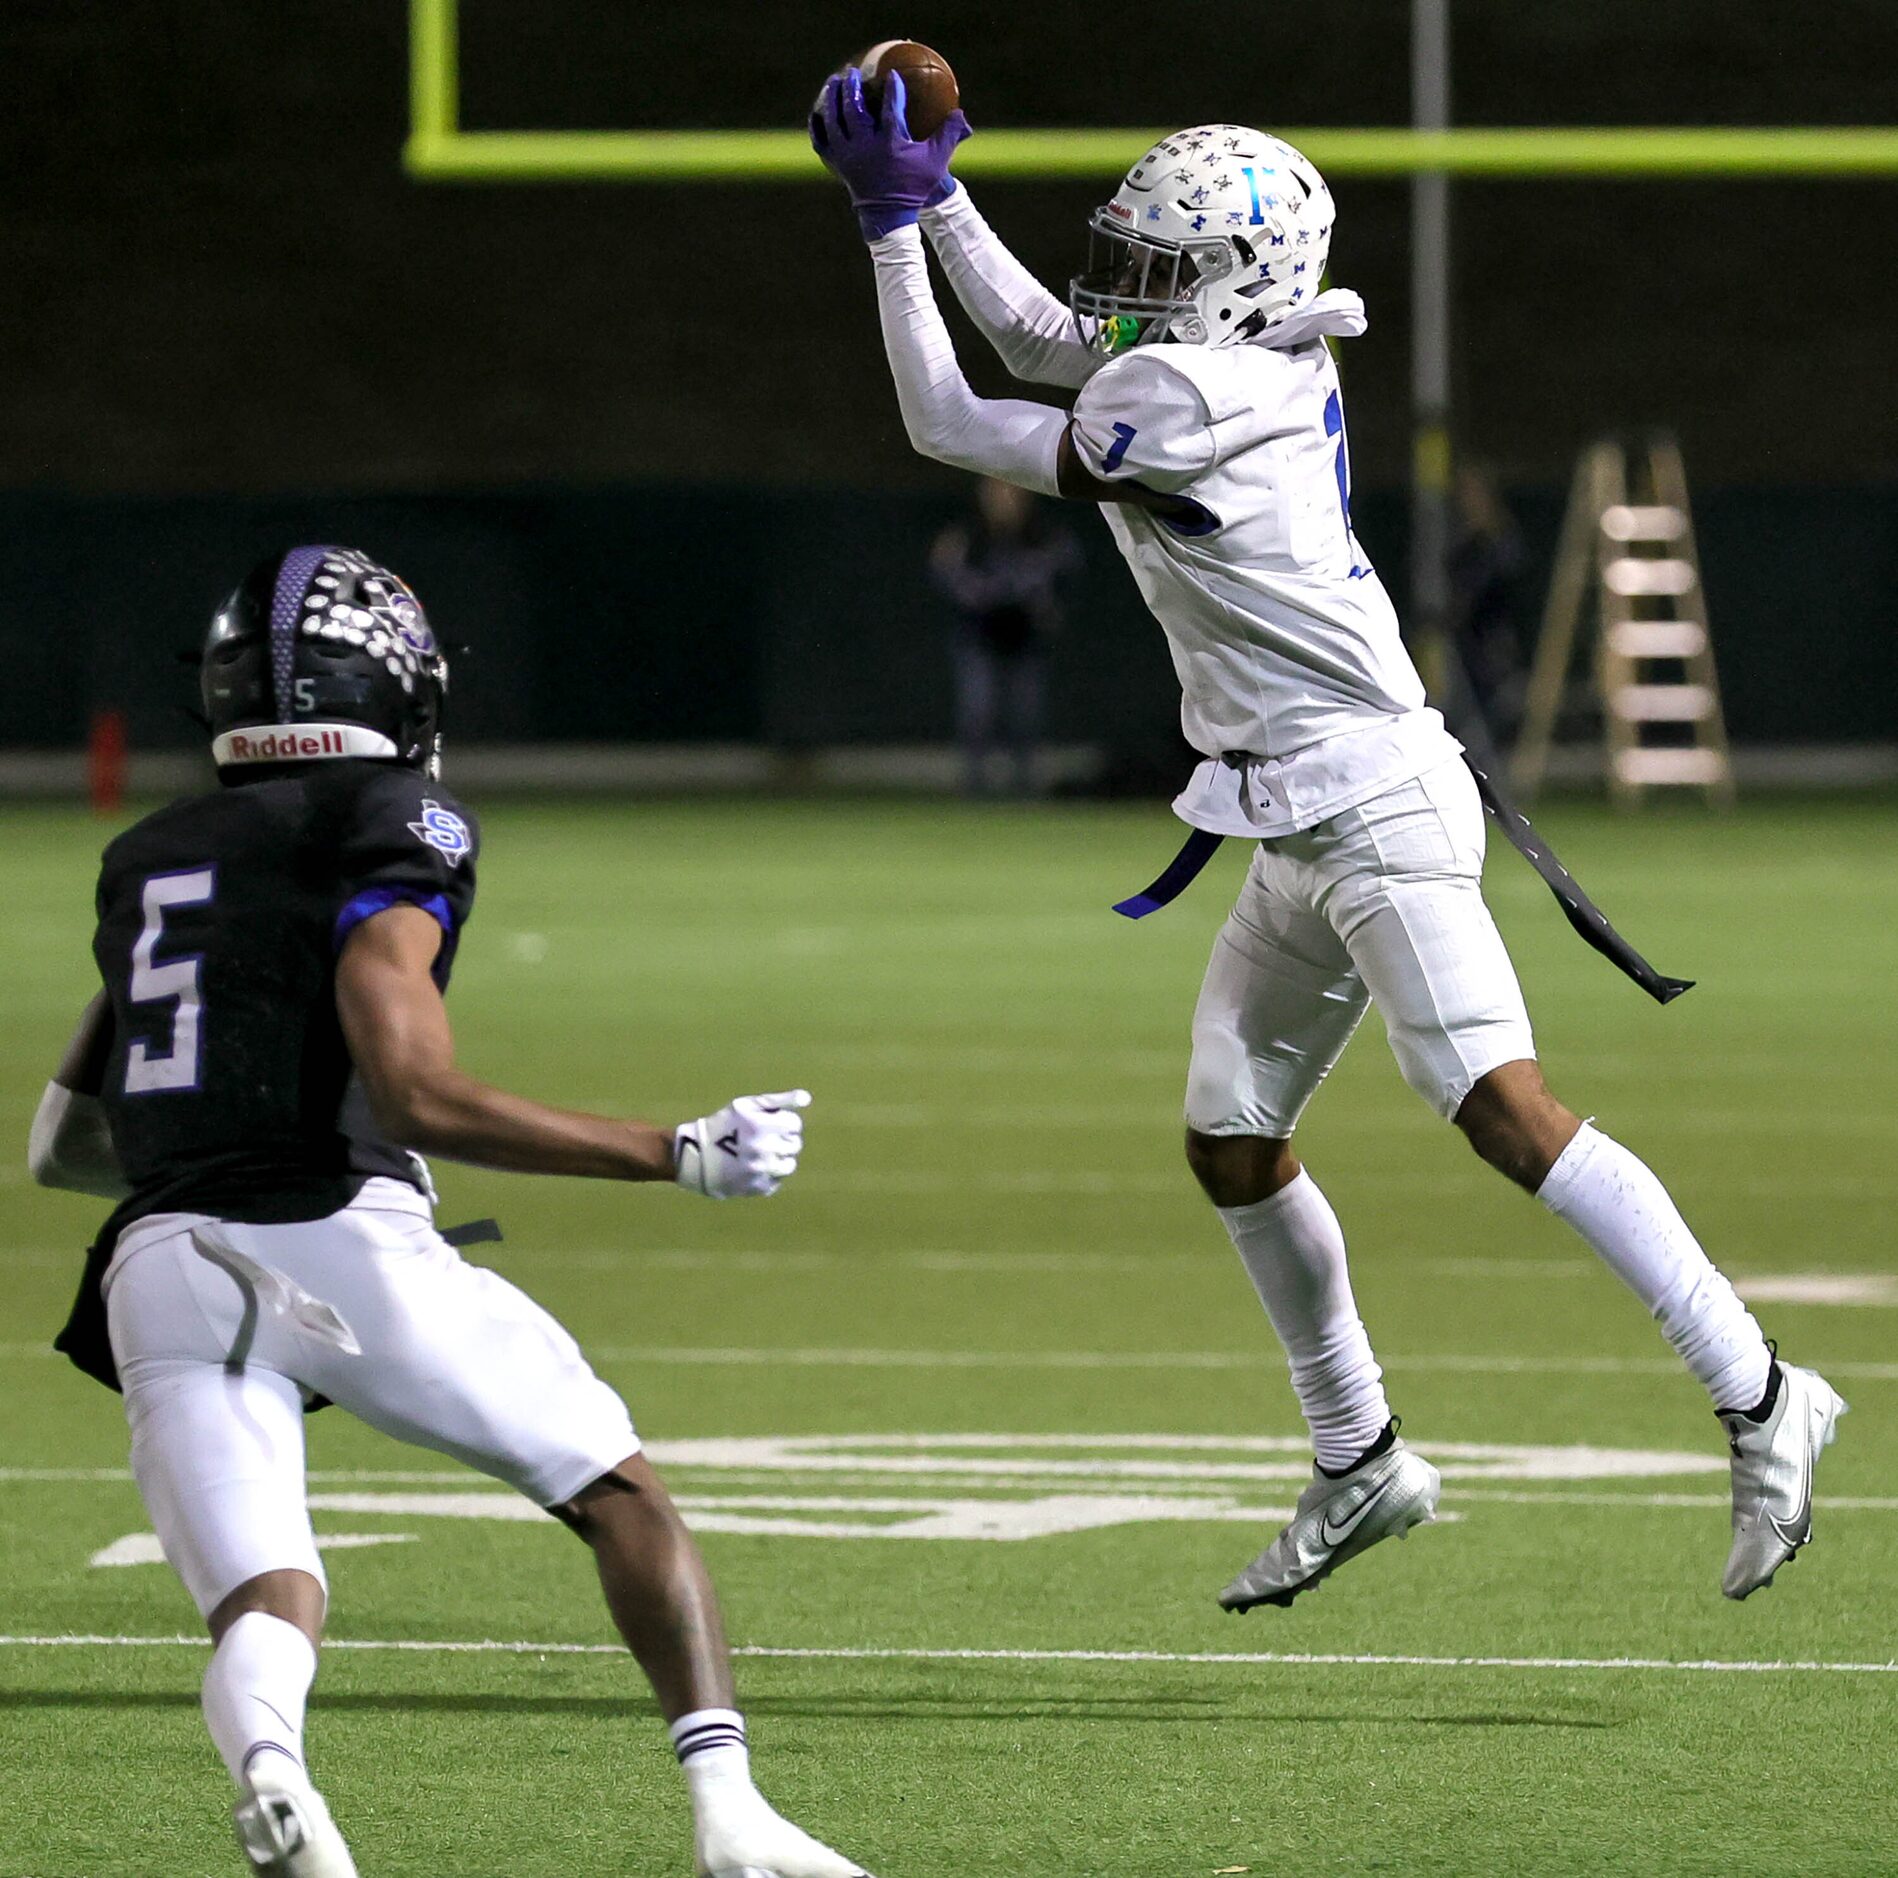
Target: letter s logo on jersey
<point>443,829</point>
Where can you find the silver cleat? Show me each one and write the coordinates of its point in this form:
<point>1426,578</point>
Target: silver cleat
<point>1772,1477</point>
<point>1335,1521</point>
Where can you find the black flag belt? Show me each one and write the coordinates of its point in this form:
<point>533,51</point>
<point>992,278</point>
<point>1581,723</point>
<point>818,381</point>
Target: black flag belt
<point>1582,913</point>
<point>1184,868</point>
<point>473,1232</point>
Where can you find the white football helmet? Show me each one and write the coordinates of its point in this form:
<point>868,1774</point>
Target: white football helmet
<point>1216,234</point>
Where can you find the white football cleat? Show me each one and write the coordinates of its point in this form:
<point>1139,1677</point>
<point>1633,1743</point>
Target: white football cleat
<point>748,1838</point>
<point>1772,1477</point>
<point>1336,1520</point>
<point>287,1832</point>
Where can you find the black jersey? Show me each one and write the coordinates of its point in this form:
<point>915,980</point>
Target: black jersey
<point>229,1087</point>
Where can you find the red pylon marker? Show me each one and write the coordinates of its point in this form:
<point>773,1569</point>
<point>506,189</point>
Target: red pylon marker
<point>105,761</point>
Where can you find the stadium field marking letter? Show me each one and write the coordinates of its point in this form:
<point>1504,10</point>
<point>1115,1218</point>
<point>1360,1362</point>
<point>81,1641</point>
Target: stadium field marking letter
<point>791,1516</point>
<point>999,1459</point>
<point>121,1476</point>
<point>1162,1477</point>
<point>997,1487</point>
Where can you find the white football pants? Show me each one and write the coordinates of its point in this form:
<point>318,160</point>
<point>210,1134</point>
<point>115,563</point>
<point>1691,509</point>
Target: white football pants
<point>1380,904</point>
<point>222,1331</point>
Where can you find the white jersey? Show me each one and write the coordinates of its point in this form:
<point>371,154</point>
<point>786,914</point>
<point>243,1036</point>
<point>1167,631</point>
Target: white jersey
<point>1286,644</point>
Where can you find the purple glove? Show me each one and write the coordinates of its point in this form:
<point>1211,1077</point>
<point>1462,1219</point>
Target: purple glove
<point>891,178</point>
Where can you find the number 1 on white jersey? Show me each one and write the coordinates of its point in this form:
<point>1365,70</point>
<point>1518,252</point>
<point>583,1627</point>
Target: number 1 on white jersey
<point>1334,427</point>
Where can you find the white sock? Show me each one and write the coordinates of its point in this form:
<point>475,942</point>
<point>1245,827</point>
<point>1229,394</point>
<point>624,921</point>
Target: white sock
<point>254,1696</point>
<point>1293,1250</point>
<point>710,1744</point>
<point>1612,1198</point>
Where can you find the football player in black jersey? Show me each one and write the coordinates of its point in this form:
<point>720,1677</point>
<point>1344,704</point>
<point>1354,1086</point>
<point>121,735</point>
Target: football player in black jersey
<point>256,1085</point>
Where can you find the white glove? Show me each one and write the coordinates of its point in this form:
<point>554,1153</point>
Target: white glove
<point>747,1148</point>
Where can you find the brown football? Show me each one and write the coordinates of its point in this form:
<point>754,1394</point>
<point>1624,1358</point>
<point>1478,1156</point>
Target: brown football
<point>929,84</point>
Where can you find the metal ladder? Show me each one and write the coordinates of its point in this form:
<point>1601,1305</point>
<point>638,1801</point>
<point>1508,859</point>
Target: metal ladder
<point>1628,540</point>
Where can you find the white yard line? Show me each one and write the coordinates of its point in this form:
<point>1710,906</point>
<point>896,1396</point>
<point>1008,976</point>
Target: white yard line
<point>1826,1503</point>
<point>697,1258</point>
<point>765,1356</point>
<point>1240,1658</point>
<point>1486,1268</point>
<point>1011,1116</point>
<point>1044,1057</point>
<point>1845,1290</point>
<point>1163,1112</point>
<point>1840,1290</point>
<point>858,1358</point>
<point>1447,1181</point>
<point>750,1356</point>
<point>923,1180</point>
<point>1605,1366</point>
<point>357,1476</point>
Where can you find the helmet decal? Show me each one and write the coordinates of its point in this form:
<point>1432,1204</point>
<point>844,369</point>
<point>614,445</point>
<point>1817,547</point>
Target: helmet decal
<point>292,577</point>
<point>323,652</point>
<point>413,628</point>
<point>383,617</point>
<point>1197,245</point>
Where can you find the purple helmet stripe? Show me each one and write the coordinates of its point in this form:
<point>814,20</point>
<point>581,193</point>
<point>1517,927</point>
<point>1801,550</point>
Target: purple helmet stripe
<point>293,581</point>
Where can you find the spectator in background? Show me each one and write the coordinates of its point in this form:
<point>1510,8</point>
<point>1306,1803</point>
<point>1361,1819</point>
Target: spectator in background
<point>1001,569</point>
<point>1486,562</point>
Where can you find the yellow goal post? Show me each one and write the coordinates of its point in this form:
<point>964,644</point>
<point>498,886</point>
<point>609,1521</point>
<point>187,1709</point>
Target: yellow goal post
<point>439,150</point>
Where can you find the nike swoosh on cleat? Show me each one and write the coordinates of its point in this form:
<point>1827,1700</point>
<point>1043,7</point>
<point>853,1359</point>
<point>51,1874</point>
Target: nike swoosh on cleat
<point>1336,1535</point>
<point>1801,1521</point>
<point>1793,1536</point>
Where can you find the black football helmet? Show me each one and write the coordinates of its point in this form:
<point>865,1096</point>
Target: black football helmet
<point>323,653</point>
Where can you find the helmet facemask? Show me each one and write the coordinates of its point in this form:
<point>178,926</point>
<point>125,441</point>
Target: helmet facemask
<point>1134,289</point>
<point>1218,234</point>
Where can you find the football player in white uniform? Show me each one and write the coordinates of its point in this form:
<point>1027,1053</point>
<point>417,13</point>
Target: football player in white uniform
<point>1209,426</point>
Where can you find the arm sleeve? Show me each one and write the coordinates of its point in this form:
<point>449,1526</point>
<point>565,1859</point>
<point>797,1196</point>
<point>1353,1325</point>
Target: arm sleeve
<point>1005,437</point>
<point>1139,421</point>
<point>1031,330</point>
<point>407,842</point>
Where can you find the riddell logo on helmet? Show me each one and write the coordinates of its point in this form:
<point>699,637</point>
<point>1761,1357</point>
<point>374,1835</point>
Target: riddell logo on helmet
<point>299,743</point>
<point>285,746</point>
<point>1121,210</point>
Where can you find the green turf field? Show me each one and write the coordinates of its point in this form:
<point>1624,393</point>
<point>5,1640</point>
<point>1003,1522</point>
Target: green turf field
<point>978,1416</point>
